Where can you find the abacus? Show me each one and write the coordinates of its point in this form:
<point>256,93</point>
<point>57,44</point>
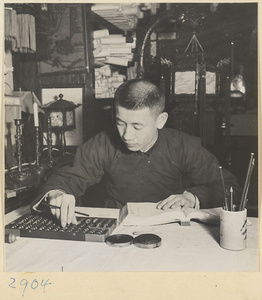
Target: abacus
<point>91,229</point>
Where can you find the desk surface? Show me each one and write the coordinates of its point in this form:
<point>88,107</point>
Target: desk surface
<point>186,248</point>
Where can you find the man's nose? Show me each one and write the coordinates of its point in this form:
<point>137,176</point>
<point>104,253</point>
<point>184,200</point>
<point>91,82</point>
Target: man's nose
<point>128,133</point>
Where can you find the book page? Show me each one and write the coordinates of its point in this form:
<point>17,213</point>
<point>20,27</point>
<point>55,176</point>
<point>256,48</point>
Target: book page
<point>147,214</point>
<point>143,209</point>
<point>211,215</point>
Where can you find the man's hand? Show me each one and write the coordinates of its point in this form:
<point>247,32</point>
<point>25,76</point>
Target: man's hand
<point>66,203</point>
<point>184,201</point>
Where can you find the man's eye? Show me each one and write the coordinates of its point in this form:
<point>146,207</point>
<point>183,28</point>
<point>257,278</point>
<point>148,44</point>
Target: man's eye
<point>119,123</point>
<point>138,127</point>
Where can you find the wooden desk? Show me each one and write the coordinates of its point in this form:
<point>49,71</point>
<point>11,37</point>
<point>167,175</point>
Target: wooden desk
<point>187,248</point>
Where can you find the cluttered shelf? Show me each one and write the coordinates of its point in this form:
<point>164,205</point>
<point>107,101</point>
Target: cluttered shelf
<point>113,46</point>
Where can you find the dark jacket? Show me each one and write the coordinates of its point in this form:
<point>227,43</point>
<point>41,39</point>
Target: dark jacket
<point>177,162</point>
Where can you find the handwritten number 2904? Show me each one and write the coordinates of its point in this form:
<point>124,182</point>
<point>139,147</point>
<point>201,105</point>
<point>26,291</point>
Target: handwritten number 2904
<point>34,284</point>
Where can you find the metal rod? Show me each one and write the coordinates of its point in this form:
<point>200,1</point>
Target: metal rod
<point>18,138</point>
<point>37,144</point>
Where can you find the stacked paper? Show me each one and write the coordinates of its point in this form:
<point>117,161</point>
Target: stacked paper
<point>112,48</point>
<point>106,82</point>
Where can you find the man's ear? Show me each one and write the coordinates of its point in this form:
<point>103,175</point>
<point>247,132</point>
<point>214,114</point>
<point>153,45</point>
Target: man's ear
<point>161,120</point>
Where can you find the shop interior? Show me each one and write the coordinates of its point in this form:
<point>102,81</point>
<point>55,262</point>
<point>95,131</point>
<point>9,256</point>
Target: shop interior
<point>63,63</point>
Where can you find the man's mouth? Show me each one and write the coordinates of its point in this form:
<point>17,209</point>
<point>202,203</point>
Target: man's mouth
<point>130,145</point>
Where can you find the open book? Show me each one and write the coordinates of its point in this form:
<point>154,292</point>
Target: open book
<point>146,214</point>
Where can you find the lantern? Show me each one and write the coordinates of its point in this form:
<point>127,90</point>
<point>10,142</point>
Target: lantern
<point>61,116</point>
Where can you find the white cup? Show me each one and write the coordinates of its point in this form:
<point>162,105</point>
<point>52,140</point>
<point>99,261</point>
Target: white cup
<point>233,229</point>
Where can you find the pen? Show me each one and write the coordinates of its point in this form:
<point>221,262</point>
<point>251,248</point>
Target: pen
<point>224,188</point>
<point>231,199</point>
<point>55,206</point>
<point>245,204</point>
<point>247,181</point>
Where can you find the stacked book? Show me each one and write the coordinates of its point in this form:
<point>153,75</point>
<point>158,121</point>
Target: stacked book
<point>107,81</point>
<point>112,49</point>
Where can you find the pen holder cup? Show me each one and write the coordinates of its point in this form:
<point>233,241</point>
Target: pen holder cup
<point>233,229</point>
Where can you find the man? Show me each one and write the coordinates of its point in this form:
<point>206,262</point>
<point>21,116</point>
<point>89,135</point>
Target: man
<point>141,161</point>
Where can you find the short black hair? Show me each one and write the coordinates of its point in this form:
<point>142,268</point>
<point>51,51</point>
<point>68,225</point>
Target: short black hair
<point>136,94</point>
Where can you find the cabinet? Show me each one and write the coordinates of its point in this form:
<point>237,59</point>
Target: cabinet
<point>193,92</point>
<point>189,79</point>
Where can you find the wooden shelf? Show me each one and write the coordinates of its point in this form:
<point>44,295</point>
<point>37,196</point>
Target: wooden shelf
<point>100,22</point>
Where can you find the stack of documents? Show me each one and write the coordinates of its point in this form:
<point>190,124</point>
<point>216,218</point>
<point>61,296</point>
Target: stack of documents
<point>112,48</point>
<point>107,81</point>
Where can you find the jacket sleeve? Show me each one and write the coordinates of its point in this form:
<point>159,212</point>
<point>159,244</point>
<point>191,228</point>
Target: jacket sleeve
<point>90,161</point>
<point>202,176</point>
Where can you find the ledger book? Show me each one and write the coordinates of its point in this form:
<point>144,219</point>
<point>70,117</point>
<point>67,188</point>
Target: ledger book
<point>146,213</point>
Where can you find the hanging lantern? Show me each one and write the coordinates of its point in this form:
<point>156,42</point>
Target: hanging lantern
<point>237,83</point>
<point>237,86</point>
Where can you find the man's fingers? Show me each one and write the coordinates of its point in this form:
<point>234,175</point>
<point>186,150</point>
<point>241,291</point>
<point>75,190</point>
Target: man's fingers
<point>67,209</point>
<point>55,202</point>
<point>52,202</point>
<point>172,203</point>
<point>185,207</point>
<point>164,203</point>
<point>176,204</point>
<point>74,221</point>
<point>54,198</point>
<point>71,209</point>
<point>175,201</point>
<point>64,209</point>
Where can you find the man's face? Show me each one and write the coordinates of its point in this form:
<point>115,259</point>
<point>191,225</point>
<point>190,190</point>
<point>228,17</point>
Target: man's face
<point>137,128</point>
